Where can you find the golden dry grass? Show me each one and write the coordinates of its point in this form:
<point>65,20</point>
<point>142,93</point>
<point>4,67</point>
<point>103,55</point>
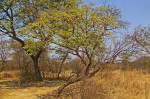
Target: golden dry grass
<point>107,84</point>
<point>25,93</point>
<point>113,85</point>
<point>125,84</point>
<point>9,88</point>
<point>9,75</point>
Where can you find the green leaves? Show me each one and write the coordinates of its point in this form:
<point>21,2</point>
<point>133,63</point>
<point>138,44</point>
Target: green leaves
<point>32,47</point>
<point>72,24</point>
<point>82,28</point>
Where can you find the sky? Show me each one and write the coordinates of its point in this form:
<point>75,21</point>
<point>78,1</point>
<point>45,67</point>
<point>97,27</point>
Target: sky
<point>136,12</point>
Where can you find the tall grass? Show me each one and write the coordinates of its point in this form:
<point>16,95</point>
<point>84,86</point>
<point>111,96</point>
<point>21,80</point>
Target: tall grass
<point>116,84</point>
<point>12,75</point>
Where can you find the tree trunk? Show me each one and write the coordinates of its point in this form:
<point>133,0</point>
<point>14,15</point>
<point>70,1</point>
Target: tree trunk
<point>38,76</point>
<point>86,71</point>
<point>60,89</point>
<point>60,70</point>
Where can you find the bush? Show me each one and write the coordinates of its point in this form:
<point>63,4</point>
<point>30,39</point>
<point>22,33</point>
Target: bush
<point>91,90</point>
<point>26,73</point>
<point>7,75</point>
<point>76,66</point>
<point>141,63</point>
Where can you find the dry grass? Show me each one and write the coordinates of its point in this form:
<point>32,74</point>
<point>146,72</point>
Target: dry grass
<point>12,75</point>
<point>25,93</point>
<point>108,84</point>
<point>113,85</point>
<point>125,84</point>
<point>10,87</point>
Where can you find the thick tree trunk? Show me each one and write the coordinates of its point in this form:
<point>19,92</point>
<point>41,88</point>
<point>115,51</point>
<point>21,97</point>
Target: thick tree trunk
<point>38,76</point>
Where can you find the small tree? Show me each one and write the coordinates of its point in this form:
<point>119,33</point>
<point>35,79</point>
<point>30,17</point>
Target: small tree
<point>115,50</point>
<point>76,66</point>
<point>4,54</point>
<point>141,37</point>
<point>24,62</point>
<point>62,58</point>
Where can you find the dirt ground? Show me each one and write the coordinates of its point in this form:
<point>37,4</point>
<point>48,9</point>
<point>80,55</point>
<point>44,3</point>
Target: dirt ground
<point>22,93</point>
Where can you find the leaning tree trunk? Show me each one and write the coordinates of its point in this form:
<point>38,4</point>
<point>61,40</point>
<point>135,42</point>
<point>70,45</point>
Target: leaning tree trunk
<point>69,82</point>
<point>85,74</point>
<point>72,81</point>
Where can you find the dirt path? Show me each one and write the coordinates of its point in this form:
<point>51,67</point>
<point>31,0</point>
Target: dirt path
<point>23,93</point>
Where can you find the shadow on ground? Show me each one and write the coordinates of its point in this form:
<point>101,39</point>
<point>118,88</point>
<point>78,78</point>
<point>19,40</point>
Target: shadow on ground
<point>33,90</point>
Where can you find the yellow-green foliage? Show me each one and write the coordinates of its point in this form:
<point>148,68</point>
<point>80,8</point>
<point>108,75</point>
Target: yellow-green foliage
<point>71,24</point>
<point>80,27</point>
<point>85,26</point>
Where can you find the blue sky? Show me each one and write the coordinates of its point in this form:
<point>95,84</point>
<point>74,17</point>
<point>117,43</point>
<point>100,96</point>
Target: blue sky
<point>136,12</point>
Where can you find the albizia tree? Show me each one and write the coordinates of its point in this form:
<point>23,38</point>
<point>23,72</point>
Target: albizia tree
<point>81,29</point>
<point>21,21</point>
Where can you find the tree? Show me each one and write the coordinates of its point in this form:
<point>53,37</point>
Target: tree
<point>76,67</point>
<point>81,31</point>
<point>114,50</point>
<point>19,20</point>
<point>4,54</point>
<point>141,37</point>
<point>24,62</point>
<point>62,57</point>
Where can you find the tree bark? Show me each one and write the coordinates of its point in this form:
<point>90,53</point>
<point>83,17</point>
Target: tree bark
<point>38,76</point>
<point>84,75</point>
<point>60,89</point>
